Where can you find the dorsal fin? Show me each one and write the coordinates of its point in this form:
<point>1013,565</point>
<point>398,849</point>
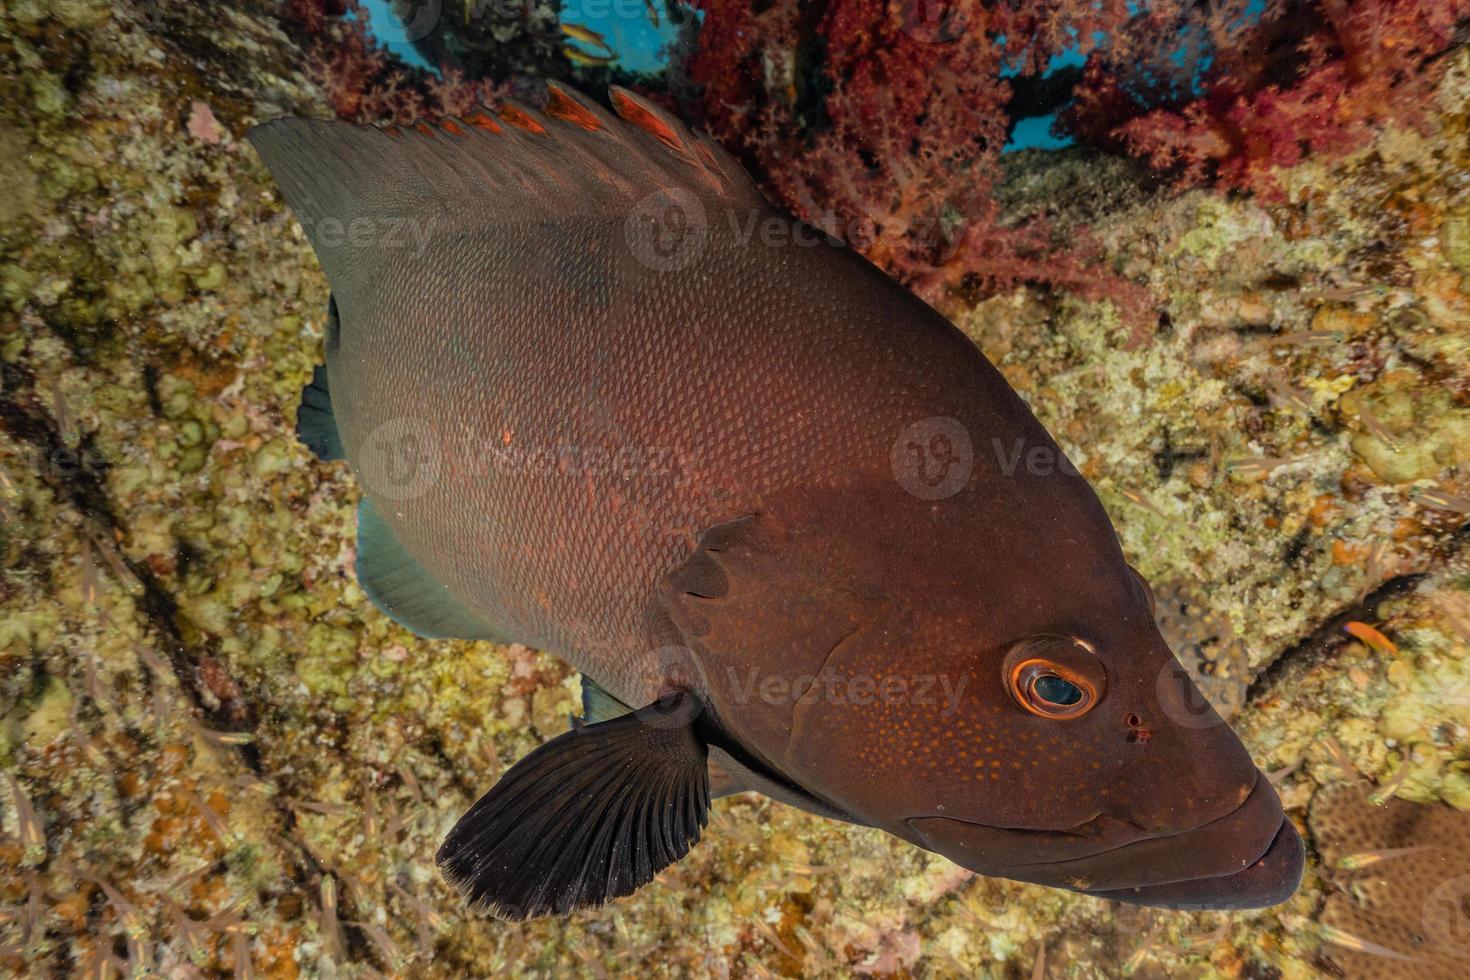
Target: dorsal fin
<point>481,119</point>
<point>522,116</point>
<point>466,175</point>
<point>650,118</point>
<point>564,103</point>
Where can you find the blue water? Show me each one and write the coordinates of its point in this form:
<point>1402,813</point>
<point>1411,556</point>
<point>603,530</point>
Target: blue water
<point>386,28</point>
<point>1034,132</point>
<point>641,45</point>
<point>627,26</point>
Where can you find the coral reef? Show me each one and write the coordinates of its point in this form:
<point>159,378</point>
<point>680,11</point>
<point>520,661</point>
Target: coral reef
<point>492,51</point>
<point>1298,80</point>
<point>882,124</point>
<point>1402,873</point>
<point>219,758</point>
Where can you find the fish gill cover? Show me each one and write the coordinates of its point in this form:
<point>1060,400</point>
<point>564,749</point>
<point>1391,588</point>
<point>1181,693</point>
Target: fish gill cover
<point>220,759</point>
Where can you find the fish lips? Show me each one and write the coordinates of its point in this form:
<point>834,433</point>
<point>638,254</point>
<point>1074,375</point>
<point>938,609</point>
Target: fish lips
<point>1269,880</point>
<point>1251,857</point>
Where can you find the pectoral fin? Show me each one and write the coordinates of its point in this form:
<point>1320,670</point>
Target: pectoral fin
<point>590,816</point>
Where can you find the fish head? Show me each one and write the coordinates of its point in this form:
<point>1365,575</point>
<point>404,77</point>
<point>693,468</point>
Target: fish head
<point>1032,723</point>
<point>1111,776</point>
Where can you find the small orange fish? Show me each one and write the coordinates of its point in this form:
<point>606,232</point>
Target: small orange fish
<point>1375,640</point>
<point>586,35</point>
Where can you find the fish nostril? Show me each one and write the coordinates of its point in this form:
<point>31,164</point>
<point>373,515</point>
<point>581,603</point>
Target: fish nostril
<point>1136,732</point>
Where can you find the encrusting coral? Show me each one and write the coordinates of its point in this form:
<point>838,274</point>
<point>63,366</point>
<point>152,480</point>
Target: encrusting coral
<point>1400,878</point>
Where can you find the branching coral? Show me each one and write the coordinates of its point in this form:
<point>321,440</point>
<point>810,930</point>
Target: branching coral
<point>364,82</point>
<point>882,123</point>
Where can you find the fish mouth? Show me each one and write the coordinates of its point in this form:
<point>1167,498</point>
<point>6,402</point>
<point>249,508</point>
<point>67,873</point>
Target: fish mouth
<point>1269,880</point>
<point>1251,857</point>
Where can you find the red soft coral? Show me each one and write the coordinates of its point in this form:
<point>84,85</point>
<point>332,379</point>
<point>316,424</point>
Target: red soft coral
<point>1351,68</point>
<point>882,123</point>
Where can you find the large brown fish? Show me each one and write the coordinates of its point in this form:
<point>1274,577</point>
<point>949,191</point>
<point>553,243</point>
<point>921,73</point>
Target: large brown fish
<point>605,400</point>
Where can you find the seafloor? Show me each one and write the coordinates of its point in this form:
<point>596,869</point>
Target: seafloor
<point>219,757</point>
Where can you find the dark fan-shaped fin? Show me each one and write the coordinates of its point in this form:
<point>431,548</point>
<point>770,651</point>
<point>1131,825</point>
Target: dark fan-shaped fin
<point>590,816</point>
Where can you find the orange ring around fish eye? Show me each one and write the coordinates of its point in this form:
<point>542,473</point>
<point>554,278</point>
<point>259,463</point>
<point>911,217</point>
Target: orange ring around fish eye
<point>1054,677</point>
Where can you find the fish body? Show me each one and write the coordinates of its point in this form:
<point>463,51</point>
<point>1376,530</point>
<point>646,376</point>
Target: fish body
<point>604,399</point>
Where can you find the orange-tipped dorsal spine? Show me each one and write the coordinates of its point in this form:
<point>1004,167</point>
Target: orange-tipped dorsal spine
<point>520,118</point>
<point>643,115</point>
<point>561,104</point>
<point>483,120</point>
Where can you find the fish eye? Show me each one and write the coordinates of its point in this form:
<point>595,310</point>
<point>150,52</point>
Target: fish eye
<point>1055,690</point>
<point>1054,677</point>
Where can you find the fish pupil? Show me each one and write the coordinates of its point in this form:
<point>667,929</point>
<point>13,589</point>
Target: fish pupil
<point>1055,690</point>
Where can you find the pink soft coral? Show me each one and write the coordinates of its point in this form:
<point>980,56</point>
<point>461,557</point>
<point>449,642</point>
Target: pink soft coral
<point>882,123</point>
<point>365,83</point>
<point>1306,79</point>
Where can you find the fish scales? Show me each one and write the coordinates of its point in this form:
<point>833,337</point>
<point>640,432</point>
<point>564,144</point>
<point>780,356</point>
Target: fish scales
<point>709,383</point>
